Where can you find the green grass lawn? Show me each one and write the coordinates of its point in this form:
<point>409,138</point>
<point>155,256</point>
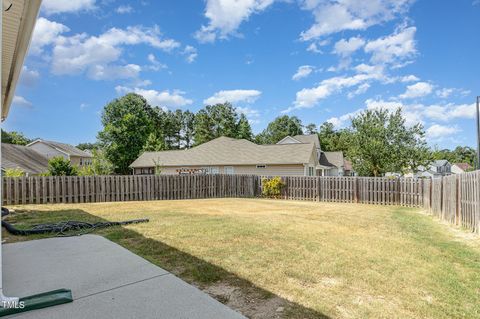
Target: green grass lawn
<point>291,259</point>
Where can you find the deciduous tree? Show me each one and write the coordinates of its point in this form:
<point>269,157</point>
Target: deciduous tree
<point>381,142</point>
<point>127,123</point>
<point>279,128</point>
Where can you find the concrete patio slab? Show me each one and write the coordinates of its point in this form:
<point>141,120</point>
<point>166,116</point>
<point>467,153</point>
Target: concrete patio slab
<point>107,281</point>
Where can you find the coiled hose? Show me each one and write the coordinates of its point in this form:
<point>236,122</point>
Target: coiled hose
<point>65,228</point>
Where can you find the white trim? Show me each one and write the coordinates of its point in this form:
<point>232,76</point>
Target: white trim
<point>288,136</point>
<point>55,148</point>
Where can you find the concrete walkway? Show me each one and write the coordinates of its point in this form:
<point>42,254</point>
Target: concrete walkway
<point>107,281</point>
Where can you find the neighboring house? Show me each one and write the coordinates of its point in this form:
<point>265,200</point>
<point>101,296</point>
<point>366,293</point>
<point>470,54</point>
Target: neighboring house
<point>24,158</point>
<point>436,169</point>
<point>442,167</point>
<point>53,149</point>
<point>348,168</point>
<point>331,163</point>
<point>226,155</point>
<point>458,168</point>
<point>424,172</point>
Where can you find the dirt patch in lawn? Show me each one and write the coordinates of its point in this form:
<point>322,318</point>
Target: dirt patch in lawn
<point>250,303</point>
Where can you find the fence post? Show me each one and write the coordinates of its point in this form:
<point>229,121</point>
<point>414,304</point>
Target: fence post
<point>355,189</point>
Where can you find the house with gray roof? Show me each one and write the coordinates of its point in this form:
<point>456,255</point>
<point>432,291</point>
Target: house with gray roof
<point>24,158</point>
<point>226,155</point>
<point>51,149</point>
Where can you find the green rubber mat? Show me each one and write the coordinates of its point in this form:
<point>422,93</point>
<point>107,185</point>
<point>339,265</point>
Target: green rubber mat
<point>43,300</point>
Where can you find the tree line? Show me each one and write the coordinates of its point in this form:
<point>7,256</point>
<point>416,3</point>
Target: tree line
<point>376,142</point>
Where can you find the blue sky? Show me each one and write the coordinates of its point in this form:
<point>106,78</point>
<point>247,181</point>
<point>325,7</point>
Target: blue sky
<point>321,60</point>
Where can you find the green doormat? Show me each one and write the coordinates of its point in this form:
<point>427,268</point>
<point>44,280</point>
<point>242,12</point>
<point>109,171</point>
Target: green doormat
<point>43,300</point>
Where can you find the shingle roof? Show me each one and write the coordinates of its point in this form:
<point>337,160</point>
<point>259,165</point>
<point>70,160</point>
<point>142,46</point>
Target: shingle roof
<point>27,159</point>
<point>228,151</point>
<point>438,163</point>
<point>463,166</point>
<point>331,159</point>
<point>313,138</point>
<point>66,148</point>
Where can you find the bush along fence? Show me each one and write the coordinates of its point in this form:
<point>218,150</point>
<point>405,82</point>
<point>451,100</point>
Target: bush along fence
<point>455,198</point>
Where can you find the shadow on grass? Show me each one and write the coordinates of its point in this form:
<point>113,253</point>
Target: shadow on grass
<point>238,293</point>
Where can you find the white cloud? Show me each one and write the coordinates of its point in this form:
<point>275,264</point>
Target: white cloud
<point>66,6</point>
<point>81,52</point>
<point>417,113</point>
<point>313,47</point>
<point>450,111</point>
<point>170,99</point>
<point>447,92</point>
<point>155,64</point>
<point>409,78</point>
<point>362,88</point>
<point>332,16</point>
<point>467,111</point>
<point>233,96</point>
<point>437,131</point>
<point>347,47</point>
<point>302,72</point>
<point>393,49</point>
<point>343,120</point>
<point>307,98</point>
<point>417,90</point>
<point>28,77</point>
<point>109,72</point>
<point>191,53</point>
<point>124,9</point>
<point>444,93</point>
<point>98,56</point>
<point>21,101</point>
<point>252,115</point>
<point>225,17</point>
<point>45,33</point>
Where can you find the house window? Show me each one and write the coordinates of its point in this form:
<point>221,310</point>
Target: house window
<point>146,171</point>
<point>261,166</point>
<point>211,170</point>
<point>228,170</point>
<point>311,171</point>
<point>81,162</point>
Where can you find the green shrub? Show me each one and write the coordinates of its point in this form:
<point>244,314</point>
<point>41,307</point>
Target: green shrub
<point>14,172</point>
<point>272,187</point>
<point>59,166</point>
<point>85,171</point>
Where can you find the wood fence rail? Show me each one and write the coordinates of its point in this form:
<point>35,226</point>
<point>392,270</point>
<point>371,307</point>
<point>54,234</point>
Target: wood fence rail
<point>455,198</point>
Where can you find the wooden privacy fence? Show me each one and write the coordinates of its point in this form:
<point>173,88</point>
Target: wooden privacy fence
<point>455,198</point>
<point>88,189</point>
<point>368,190</point>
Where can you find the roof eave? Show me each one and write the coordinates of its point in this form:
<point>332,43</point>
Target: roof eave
<point>22,42</point>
